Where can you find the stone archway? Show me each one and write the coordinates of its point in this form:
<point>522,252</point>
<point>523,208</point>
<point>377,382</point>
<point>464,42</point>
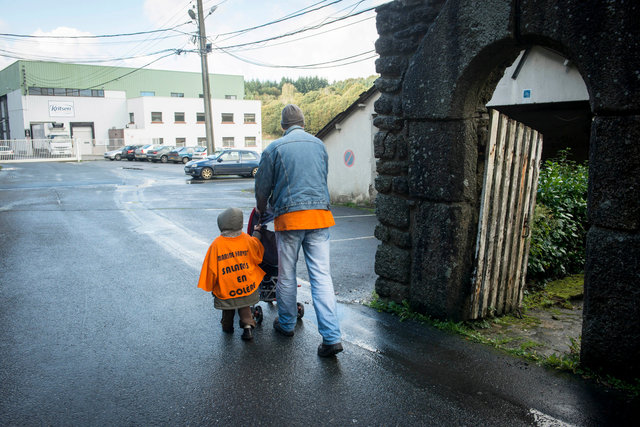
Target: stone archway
<point>439,63</point>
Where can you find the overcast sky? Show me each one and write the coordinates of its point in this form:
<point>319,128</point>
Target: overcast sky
<point>325,47</point>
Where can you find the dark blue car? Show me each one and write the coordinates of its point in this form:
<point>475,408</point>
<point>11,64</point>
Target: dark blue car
<point>230,161</point>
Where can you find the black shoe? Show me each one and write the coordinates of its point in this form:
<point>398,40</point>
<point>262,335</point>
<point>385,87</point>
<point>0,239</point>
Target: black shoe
<point>227,330</point>
<point>328,350</point>
<point>247,334</point>
<point>278,328</point>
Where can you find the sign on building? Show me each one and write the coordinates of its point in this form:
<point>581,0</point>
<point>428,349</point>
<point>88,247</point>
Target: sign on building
<point>61,109</point>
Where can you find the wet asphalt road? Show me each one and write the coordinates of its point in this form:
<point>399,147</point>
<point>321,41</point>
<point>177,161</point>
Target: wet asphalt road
<point>101,323</point>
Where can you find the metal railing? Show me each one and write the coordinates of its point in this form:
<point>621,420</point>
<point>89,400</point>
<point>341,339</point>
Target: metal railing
<point>55,149</point>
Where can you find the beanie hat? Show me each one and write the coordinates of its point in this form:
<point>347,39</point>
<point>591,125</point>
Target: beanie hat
<point>230,222</point>
<point>292,115</point>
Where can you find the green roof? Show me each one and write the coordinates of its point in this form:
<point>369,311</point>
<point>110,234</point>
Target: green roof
<point>25,74</point>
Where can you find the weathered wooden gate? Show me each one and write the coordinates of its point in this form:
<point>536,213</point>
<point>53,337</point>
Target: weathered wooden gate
<point>506,212</point>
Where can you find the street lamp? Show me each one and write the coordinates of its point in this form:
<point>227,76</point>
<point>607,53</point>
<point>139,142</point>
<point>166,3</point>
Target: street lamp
<point>205,73</point>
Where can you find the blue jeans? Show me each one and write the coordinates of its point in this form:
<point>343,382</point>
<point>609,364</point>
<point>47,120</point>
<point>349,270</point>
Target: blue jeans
<point>315,245</point>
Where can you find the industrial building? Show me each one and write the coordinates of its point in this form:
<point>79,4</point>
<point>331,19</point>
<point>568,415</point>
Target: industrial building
<point>102,107</point>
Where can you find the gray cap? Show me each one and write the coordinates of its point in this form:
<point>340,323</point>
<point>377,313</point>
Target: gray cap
<point>292,115</point>
<point>230,222</point>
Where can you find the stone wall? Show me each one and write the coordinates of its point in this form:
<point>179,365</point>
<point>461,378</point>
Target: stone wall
<point>439,63</point>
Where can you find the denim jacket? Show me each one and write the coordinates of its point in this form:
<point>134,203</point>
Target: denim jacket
<point>292,174</point>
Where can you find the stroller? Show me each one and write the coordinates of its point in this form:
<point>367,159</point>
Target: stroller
<point>267,289</point>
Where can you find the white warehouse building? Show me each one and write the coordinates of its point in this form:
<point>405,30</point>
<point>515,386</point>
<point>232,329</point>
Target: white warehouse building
<point>107,107</point>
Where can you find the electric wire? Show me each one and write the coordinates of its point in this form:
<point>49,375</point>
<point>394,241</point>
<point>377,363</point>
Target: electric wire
<point>289,34</point>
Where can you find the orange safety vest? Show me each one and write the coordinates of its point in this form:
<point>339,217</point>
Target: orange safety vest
<point>230,268</point>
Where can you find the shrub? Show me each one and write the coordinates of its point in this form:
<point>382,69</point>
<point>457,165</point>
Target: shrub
<point>560,220</point>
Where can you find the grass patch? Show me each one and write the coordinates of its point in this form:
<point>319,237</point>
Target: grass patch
<point>558,293</point>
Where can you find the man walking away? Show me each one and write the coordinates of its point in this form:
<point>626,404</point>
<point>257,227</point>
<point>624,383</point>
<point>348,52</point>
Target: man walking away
<point>292,179</point>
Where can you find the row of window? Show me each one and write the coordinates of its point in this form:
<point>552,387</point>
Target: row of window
<point>179,94</point>
<point>179,117</point>
<point>65,92</point>
<point>55,91</point>
<point>227,141</point>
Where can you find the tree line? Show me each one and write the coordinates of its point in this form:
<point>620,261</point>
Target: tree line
<point>319,100</point>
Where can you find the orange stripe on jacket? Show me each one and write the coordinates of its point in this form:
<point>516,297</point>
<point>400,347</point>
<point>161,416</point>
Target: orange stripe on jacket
<point>311,219</point>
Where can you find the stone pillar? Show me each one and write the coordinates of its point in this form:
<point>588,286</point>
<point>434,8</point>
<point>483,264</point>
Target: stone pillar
<point>611,321</point>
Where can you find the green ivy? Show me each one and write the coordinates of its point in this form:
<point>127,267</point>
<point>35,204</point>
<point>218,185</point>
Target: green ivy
<point>560,220</point>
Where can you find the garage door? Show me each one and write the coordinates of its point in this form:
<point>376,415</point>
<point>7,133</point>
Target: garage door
<point>83,137</point>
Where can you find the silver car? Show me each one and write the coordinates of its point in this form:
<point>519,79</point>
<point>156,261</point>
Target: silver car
<point>159,153</point>
<point>113,154</point>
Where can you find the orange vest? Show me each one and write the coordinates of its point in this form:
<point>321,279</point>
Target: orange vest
<point>230,268</point>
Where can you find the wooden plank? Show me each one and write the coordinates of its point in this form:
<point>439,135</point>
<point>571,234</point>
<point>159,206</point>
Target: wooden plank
<point>537,142</point>
<point>493,212</point>
<point>511,217</point>
<point>501,204</point>
<point>481,242</point>
<point>520,212</point>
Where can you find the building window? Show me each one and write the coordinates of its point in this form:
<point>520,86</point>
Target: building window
<point>131,118</point>
<point>180,142</point>
<point>227,117</point>
<point>200,117</point>
<point>65,91</point>
<point>249,118</point>
<point>230,97</point>
<point>179,117</point>
<point>249,141</point>
<point>156,117</point>
<point>157,141</point>
<point>202,142</point>
<point>177,95</point>
<point>147,93</point>
<point>228,141</point>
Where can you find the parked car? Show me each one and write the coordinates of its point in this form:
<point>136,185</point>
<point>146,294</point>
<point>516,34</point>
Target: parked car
<point>129,152</point>
<point>141,152</point>
<point>184,154</point>
<point>6,153</point>
<point>113,154</point>
<point>200,154</point>
<point>225,162</point>
<point>160,153</point>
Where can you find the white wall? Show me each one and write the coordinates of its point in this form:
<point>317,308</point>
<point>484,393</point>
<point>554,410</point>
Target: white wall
<point>104,113</point>
<point>143,130</point>
<point>353,184</point>
<point>546,76</point>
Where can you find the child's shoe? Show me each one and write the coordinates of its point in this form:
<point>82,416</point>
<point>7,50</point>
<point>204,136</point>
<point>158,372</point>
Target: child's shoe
<point>247,334</point>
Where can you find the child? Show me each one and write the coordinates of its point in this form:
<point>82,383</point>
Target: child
<point>231,273</point>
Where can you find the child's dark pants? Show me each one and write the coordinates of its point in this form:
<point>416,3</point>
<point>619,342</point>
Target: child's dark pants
<point>246,318</point>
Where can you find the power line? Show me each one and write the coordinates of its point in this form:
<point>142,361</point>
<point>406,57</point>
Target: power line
<point>31,36</point>
<point>132,71</point>
<point>308,66</point>
<point>309,36</point>
<point>285,18</point>
<point>294,32</point>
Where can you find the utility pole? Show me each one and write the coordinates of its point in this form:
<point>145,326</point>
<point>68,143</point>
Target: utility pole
<point>205,77</point>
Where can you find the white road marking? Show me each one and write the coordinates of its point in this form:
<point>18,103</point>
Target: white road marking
<point>544,420</point>
<point>353,238</point>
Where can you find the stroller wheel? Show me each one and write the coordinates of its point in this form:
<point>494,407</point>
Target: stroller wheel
<point>257,314</point>
<point>300,310</point>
